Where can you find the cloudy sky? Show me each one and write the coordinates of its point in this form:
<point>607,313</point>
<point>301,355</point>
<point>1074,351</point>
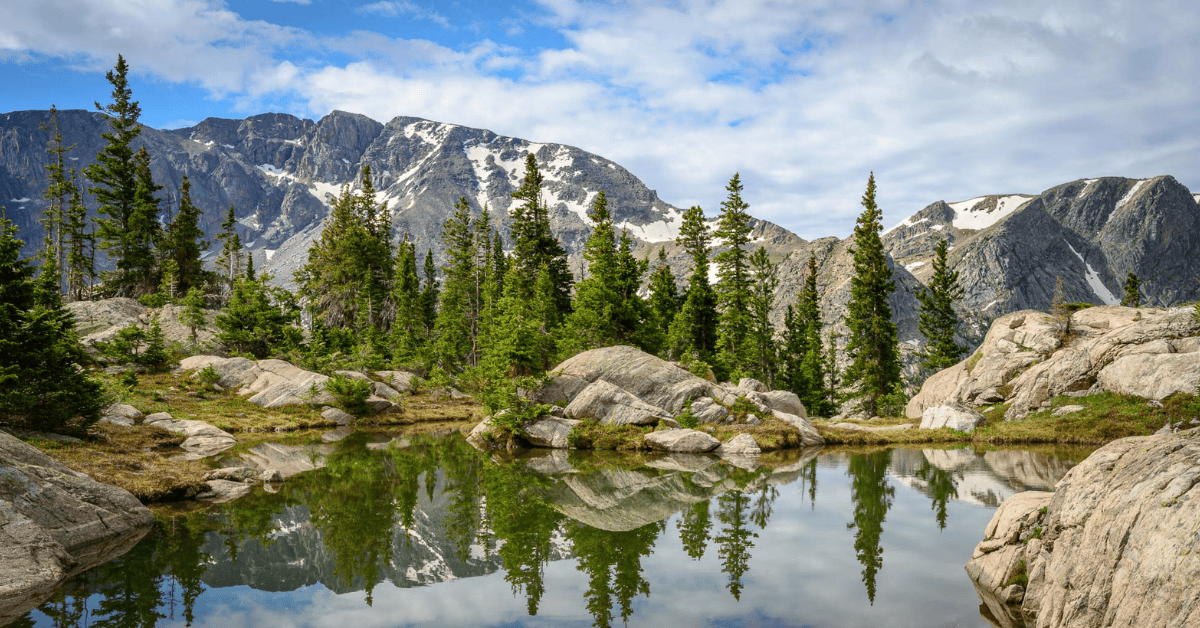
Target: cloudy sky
<point>941,99</point>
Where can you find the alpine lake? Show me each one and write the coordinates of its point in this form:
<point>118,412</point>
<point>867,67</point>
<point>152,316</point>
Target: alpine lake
<point>382,530</point>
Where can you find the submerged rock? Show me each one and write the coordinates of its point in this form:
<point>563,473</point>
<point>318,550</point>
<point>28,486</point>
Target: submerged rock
<point>55,522</point>
<point>1114,545</point>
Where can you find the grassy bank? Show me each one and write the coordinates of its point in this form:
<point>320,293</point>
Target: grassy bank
<point>1104,418</point>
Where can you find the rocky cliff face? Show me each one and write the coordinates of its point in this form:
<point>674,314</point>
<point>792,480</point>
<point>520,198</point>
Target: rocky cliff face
<point>280,173</point>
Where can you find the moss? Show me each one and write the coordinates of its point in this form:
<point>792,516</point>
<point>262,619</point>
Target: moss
<point>1021,576</point>
<point>590,434</point>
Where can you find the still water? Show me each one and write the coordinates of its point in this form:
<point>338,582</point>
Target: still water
<point>427,531</point>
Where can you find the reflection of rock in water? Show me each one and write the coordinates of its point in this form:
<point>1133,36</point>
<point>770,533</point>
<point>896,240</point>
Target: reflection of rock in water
<point>985,479</point>
<point>618,499</point>
<point>296,554</point>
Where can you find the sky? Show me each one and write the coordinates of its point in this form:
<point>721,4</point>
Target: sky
<point>941,100</point>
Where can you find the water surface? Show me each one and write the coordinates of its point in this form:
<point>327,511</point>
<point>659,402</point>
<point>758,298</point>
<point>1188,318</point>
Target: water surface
<point>427,531</point>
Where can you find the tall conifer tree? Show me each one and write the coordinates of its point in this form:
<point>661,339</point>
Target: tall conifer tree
<point>58,192</point>
<point>938,320</point>
<point>183,241</point>
<point>764,280</point>
<point>873,347</point>
<point>693,332</point>
<point>733,285</point>
<point>229,262</point>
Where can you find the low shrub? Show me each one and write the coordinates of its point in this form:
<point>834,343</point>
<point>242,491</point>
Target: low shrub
<point>351,393</point>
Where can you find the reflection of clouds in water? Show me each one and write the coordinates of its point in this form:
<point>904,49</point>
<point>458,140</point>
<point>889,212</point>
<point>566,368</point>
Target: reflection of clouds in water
<point>802,571</point>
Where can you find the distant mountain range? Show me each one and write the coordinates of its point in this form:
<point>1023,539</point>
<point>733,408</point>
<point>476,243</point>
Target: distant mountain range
<point>280,172</point>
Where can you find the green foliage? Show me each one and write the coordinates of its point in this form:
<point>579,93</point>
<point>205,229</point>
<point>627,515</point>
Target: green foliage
<point>893,403</point>
<point>872,496</point>
<point>183,244</point>
<point>873,346</point>
<point>802,356</point>
<point>155,356</point>
<point>686,418</point>
<point>128,379</point>
<point>41,385</point>
<point>765,280</point>
<point>693,331</point>
<point>535,249</point>
<point>193,314</point>
<point>229,262</point>
<point>1133,297</point>
<point>258,318</point>
<point>153,300</point>
<point>126,346</point>
<point>208,376</point>
<point>733,284</point>
<point>938,320</point>
<point>351,393</point>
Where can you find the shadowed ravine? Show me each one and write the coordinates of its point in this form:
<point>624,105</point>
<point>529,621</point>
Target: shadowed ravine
<point>375,535</point>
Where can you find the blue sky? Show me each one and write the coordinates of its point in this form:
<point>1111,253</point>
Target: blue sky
<point>941,99</point>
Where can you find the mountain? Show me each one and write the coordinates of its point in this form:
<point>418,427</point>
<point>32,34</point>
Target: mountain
<point>281,172</point>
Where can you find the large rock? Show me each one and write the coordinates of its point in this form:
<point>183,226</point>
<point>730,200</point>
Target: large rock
<point>203,440</point>
<point>1150,352</point>
<point>55,522</point>
<point>401,381</point>
<point>708,411</point>
<point>1116,545</point>
<point>611,405</point>
<point>809,436</point>
<point>952,415</point>
<point>682,441</point>
<point>649,378</point>
<point>270,383</point>
<point>550,432</point>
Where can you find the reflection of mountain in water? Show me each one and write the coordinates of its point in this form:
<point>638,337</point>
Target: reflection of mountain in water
<point>985,479</point>
<point>295,555</point>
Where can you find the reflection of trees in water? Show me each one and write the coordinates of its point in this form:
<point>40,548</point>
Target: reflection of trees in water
<point>940,485</point>
<point>613,563</point>
<point>872,497</point>
<point>520,517</point>
<point>808,481</point>
<point>734,540</point>
<point>694,529</point>
<point>162,573</point>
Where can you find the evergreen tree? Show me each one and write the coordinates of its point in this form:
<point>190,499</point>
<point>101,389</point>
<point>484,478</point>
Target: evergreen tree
<point>155,355</point>
<point>80,244</point>
<point>429,292</point>
<point>41,387</point>
<point>632,315</point>
<point>183,242</point>
<point>408,325</point>
<point>193,314</point>
<point>1132,297</point>
<point>58,192</point>
<point>693,332</point>
<point>665,299</point>
<point>254,322</point>
<point>115,178</point>
<point>455,326</point>
<point>534,245</point>
<point>804,359</point>
<point>938,320</point>
<point>832,373</point>
<point>592,321</point>
<point>873,347</point>
<point>733,284</point>
<point>345,280</point>
<point>764,281</point>
<point>143,232</point>
<point>229,262</point>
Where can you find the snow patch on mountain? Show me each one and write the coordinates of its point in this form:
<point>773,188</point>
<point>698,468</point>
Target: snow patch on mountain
<point>913,266</point>
<point>1093,280</point>
<point>969,214</point>
<point>1125,200</point>
<point>907,222</point>
<point>665,230</point>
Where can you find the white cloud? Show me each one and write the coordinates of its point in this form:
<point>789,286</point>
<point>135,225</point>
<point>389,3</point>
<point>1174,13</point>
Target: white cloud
<point>396,8</point>
<point>804,99</point>
<point>304,2</point>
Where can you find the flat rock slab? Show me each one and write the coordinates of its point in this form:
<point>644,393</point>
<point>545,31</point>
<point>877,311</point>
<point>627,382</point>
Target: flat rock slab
<point>740,445</point>
<point>337,416</point>
<point>221,491</point>
<point>952,415</point>
<point>203,440</point>
<point>809,437</point>
<point>682,441</point>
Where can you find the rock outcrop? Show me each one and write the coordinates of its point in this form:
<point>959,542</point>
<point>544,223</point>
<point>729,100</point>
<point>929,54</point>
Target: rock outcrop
<point>952,415</point>
<point>203,440</point>
<point>55,522</point>
<point>1029,357</point>
<point>269,383</point>
<point>604,402</point>
<point>1115,545</point>
<point>99,321</point>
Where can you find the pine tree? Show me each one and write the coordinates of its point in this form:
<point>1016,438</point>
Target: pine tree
<point>632,314</point>
<point>804,360</point>
<point>733,285</point>
<point>938,320</point>
<point>40,386</point>
<point>183,242</point>
<point>693,332</point>
<point>534,245</point>
<point>155,355</point>
<point>193,314</point>
<point>592,322</point>
<point>665,299</point>
<point>143,232</point>
<point>80,244</point>
<point>345,282</point>
<point>254,322</point>
<point>764,281</point>
<point>58,192</point>
<point>873,347</point>
<point>429,292</point>
<point>408,333</point>
<point>455,325</point>
<point>1133,297</point>
<point>115,178</point>
<point>229,262</point>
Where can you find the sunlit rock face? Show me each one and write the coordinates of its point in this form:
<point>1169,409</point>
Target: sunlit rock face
<point>1114,546</point>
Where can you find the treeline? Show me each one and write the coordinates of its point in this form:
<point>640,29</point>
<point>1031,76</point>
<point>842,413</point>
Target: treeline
<point>495,314</point>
